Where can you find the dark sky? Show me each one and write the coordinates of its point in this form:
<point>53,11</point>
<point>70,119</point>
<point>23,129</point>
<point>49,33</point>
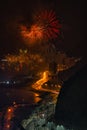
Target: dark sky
<point>72,15</point>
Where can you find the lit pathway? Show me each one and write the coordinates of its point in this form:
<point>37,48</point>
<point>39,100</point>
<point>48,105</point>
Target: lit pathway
<point>40,82</point>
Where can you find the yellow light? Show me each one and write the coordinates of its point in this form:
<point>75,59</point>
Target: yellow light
<point>9,110</point>
<point>40,82</point>
<point>8,126</point>
<point>36,94</point>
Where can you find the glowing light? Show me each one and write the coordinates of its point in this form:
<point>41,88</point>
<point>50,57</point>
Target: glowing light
<point>8,126</point>
<point>9,109</point>
<point>7,118</point>
<point>36,94</point>
<point>40,82</point>
<point>23,62</point>
<point>14,103</point>
<point>7,82</point>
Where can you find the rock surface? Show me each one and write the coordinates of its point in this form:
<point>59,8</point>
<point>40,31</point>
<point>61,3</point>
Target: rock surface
<point>71,107</point>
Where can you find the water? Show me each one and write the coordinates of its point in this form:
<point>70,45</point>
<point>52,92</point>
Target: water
<point>16,102</point>
<point>19,95</point>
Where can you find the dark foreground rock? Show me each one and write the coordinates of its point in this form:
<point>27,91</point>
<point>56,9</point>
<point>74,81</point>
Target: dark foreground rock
<point>71,107</point>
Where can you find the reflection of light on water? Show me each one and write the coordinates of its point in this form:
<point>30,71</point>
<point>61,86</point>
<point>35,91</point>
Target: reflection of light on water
<point>14,103</point>
<point>8,126</point>
<point>9,113</point>
<point>9,109</point>
<point>43,79</point>
<point>37,98</point>
<point>8,117</point>
<point>36,95</point>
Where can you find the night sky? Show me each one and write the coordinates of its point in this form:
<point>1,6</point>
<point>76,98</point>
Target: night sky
<point>72,16</point>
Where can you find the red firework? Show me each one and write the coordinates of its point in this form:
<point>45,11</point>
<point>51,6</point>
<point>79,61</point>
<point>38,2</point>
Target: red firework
<point>48,22</point>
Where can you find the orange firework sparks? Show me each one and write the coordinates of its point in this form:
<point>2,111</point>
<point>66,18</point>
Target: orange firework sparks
<point>33,34</point>
<point>17,63</point>
<point>45,27</point>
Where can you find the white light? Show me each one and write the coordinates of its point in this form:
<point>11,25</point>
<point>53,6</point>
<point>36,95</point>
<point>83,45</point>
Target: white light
<point>14,82</point>
<point>7,82</point>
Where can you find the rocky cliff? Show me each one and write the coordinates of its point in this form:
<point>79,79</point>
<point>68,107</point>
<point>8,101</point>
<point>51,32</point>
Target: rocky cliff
<point>71,107</point>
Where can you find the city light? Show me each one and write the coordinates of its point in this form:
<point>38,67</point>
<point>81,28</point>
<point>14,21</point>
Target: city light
<point>44,78</point>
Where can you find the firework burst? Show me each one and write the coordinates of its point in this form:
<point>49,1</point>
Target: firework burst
<point>33,34</point>
<point>49,24</point>
<point>45,27</point>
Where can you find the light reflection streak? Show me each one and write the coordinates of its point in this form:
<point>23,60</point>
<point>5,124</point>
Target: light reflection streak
<point>7,118</point>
